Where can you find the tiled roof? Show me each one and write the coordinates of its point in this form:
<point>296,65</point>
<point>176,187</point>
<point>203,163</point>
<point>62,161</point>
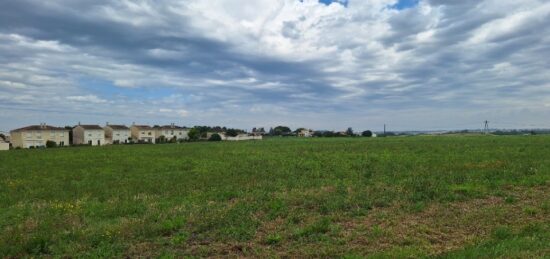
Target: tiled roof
<point>118,127</point>
<point>91,127</point>
<point>167,127</point>
<point>142,127</point>
<point>38,127</point>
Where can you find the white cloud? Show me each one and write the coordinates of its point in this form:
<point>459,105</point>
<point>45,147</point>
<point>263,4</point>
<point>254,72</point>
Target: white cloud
<point>86,98</point>
<point>270,58</point>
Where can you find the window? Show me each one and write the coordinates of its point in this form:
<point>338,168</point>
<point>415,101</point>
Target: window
<point>89,134</point>
<point>149,133</point>
<point>118,134</point>
<point>52,134</point>
<point>28,135</point>
<point>143,132</point>
<point>62,134</point>
<point>172,132</point>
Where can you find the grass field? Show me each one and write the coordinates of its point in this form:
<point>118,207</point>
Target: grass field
<point>456,197</point>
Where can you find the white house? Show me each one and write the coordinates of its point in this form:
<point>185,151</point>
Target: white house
<point>4,145</point>
<point>305,133</point>
<point>38,136</point>
<point>117,134</point>
<point>143,133</point>
<point>171,131</point>
<point>92,135</point>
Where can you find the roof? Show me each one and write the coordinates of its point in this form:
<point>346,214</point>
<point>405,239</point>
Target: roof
<point>38,127</point>
<point>118,127</point>
<point>165,127</point>
<point>91,127</point>
<point>142,127</point>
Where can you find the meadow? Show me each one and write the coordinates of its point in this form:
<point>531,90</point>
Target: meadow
<point>445,197</point>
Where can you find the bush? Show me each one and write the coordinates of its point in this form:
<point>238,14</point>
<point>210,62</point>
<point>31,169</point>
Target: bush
<point>367,133</point>
<point>174,139</point>
<point>51,144</point>
<point>231,133</point>
<point>194,134</point>
<point>215,137</point>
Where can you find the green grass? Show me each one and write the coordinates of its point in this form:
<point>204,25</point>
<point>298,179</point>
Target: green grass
<point>457,196</point>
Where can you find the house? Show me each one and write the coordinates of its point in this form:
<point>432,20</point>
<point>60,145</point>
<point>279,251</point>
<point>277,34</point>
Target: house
<point>4,145</point>
<point>92,135</point>
<point>169,132</point>
<point>142,133</point>
<point>38,135</point>
<point>117,134</point>
<point>305,133</point>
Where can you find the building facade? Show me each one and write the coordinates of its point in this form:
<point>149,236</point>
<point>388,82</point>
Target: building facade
<point>38,136</point>
<point>170,132</point>
<point>92,135</point>
<point>117,134</point>
<point>143,133</point>
<point>305,133</point>
<point>4,145</point>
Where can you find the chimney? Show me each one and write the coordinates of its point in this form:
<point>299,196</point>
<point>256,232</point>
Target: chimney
<point>107,123</point>
<point>79,123</point>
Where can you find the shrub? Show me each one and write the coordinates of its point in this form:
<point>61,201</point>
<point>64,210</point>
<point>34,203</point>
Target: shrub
<point>215,137</point>
<point>367,133</point>
<point>51,144</point>
<point>193,134</point>
<point>232,132</point>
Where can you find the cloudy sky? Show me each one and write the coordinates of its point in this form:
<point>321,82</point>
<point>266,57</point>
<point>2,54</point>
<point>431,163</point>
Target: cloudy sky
<point>428,64</point>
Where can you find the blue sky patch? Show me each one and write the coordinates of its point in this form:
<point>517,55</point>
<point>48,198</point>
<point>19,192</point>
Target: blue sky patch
<point>328,2</point>
<point>404,4</point>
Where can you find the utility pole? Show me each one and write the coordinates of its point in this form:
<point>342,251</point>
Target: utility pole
<point>486,128</point>
<point>384,129</point>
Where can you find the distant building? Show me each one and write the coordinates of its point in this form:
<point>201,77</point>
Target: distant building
<point>38,135</point>
<point>92,135</point>
<point>143,133</point>
<point>171,131</point>
<point>240,137</point>
<point>117,134</point>
<point>305,133</point>
<point>4,145</point>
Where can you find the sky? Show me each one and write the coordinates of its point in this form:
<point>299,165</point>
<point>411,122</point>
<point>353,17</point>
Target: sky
<point>329,64</point>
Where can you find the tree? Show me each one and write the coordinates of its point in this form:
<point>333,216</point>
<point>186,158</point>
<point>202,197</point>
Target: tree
<point>367,133</point>
<point>215,137</point>
<point>2,136</point>
<point>349,131</point>
<point>194,134</point>
<point>232,132</point>
<point>271,132</point>
<point>281,130</point>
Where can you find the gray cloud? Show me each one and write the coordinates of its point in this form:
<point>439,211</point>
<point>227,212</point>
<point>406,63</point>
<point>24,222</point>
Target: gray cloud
<point>260,64</point>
